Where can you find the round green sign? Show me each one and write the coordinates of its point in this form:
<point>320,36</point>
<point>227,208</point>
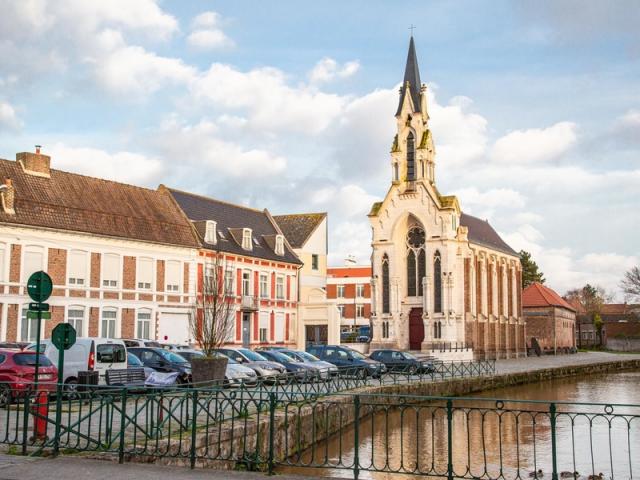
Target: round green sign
<point>39,286</point>
<point>63,336</point>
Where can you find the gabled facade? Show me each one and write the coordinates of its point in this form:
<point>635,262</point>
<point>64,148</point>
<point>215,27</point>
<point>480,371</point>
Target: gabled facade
<point>318,316</point>
<point>122,258</point>
<point>442,279</point>
<point>261,268</point>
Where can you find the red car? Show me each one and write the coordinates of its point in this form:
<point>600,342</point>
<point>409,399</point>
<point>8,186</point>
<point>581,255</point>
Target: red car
<point>17,369</point>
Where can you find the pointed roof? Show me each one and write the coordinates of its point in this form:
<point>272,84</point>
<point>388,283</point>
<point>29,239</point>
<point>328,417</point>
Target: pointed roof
<point>411,75</point>
<point>298,227</point>
<point>537,295</point>
<point>482,233</point>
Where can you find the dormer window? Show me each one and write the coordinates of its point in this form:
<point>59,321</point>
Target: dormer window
<point>210,232</point>
<point>246,238</point>
<point>279,245</point>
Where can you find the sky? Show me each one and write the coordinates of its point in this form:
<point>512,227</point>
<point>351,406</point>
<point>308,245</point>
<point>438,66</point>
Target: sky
<point>534,106</point>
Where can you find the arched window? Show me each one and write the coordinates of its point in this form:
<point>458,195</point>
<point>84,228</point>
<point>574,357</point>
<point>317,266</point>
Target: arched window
<point>415,261</point>
<point>411,154</point>
<point>396,175</point>
<point>385,284</point>
<point>437,283</point>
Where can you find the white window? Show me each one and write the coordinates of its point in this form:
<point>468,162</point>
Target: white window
<point>360,291</point>
<point>360,311</point>
<point>143,325</point>
<point>110,270</point>
<point>280,287</point>
<point>144,273</point>
<point>315,261</point>
<point>75,318</point>
<point>246,238</point>
<point>33,261</point>
<point>340,290</point>
<point>264,285</point>
<point>228,281</point>
<point>264,326</point>
<point>279,245</point>
<point>341,310</point>
<point>246,282</point>
<point>77,268</point>
<point>210,232</point>
<point>28,326</point>
<point>2,251</point>
<point>279,328</point>
<point>172,276</point>
<point>108,323</point>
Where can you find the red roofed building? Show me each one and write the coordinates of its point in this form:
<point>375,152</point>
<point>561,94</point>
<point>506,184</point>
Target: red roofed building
<point>549,319</point>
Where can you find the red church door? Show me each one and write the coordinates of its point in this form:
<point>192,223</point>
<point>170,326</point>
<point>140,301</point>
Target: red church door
<point>416,329</point>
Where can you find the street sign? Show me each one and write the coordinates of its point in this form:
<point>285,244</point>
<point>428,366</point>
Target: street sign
<point>33,315</point>
<point>63,336</point>
<point>39,286</point>
<point>42,307</point>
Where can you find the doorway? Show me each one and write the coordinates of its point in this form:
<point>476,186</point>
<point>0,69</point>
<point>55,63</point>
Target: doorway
<point>316,335</point>
<point>416,329</point>
<point>246,329</point>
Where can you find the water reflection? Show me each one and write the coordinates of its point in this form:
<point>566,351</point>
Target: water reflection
<point>493,439</point>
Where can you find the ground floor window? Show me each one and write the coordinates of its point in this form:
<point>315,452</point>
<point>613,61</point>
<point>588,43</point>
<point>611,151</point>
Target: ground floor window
<point>75,318</point>
<point>109,318</point>
<point>437,330</point>
<point>385,329</point>
<point>28,327</point>
<point>144,324</point>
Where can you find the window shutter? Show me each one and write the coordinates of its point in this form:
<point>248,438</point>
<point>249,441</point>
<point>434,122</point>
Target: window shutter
<point>172,276</point>
<point>279,327</point>
<point>144,273</point>
<point>33,261</point>
<point>77,268</point>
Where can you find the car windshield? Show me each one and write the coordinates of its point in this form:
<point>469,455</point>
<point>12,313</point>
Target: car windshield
<point>190,355</point>
<point>172,357</point>
<point>409,356</point>
<point>29,360</point>
<point>253,356</point>
<point>307,357</point>
<point>357,355</point>
<point>280,357</point>
<point>133,360</point>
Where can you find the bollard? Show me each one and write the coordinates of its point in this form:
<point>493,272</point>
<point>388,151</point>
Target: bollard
<point>41,414</point>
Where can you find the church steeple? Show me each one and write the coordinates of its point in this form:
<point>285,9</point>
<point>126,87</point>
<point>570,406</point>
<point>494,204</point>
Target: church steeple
<point>411,82</point>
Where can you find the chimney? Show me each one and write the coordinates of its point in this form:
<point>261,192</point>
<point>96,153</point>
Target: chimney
<point>35,163</point>
<point>7,197</point>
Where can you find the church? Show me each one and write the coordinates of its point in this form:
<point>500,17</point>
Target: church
<point>444,282</point>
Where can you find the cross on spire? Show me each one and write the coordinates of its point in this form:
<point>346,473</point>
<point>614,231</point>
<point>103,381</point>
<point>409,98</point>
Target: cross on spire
<point>412,28</point>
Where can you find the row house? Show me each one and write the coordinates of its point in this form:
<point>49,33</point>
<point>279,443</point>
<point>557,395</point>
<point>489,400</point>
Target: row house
<point>122,258</point>
<point>260,267</point>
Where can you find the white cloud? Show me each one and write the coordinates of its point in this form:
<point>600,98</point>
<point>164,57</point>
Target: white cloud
<point>328,69</point>
<point>207,33</point>
<point>535,144</point>
<point>336,198</point>
<point>8,117</point>
<point>506,198</point>
<point>627,127</point>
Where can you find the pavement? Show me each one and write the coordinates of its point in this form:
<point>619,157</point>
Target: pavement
<point>517,365</point>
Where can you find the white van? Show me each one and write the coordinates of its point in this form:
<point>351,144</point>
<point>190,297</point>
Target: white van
<point>89,353</point>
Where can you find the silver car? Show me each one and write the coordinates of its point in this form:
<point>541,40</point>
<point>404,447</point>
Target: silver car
<point>326,369</point>
<point>266,370</point>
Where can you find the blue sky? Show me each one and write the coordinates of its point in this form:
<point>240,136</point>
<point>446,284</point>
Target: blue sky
<point>535,108</point>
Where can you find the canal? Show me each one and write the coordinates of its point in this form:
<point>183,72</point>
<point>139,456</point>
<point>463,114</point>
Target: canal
<point>595,429</point>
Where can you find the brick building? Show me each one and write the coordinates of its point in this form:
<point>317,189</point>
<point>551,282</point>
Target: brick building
<point>550,319</point>
<point>261,267</point>
<point>350,286</point>
<point>122,258</point>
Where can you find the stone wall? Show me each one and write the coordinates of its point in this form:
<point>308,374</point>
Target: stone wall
<point>623,344</point>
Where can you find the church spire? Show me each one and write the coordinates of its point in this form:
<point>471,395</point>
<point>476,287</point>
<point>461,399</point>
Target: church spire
<point>412,78</point>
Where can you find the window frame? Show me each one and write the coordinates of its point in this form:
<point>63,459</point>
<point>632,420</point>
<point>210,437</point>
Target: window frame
<point>85,267</point>
<point>116,321</point>
<point>280,295</point>
<point>247,239</point>
<point>175,287</point>
<point>147,321</point>
<point>279,248</point>
<point>140,260</point>
<point>80,332</point>
<point>112,283</point>
<point>264,293</point>
<point>340,291</point>
<point>26,249</point>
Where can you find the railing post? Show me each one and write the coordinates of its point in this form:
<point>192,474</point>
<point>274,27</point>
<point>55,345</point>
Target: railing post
<point>194,426</point>
<point>123,411</point>
<point>554,457</point>
<point>273,402</point>
<point>450,439</point>
<point>356,437</point>
<point>25,422</point>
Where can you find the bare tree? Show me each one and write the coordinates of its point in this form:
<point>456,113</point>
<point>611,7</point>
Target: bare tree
<point>630,284</point>
<point>212,319</point>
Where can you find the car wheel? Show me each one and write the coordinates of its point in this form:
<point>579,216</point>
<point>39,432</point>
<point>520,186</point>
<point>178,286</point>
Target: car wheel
<point>5,396</point>
<point>71,389</point>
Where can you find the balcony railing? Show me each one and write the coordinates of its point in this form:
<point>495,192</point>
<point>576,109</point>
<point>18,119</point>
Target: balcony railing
<point>250,302</point>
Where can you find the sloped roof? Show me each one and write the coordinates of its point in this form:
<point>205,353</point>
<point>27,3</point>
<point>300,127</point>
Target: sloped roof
<point>298,227</point>
<point>78,203</point>
<point>537,295</point>
<point>482,233</point>
<point>614,309</point>
<point>411,75</point>
<point>230,219</point>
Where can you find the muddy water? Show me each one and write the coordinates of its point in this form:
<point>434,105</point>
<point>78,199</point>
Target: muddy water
<point>494,439</point>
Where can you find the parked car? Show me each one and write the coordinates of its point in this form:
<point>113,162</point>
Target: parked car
<point>87,354</point>
<point>189,354</point>
<point>17,373</point>
<point>141,342</point>
<point>135,362</point>
<point>348,359</point>
<point>14,345</point>
<point>264,368</point>
<point>162,360</point>
<point>397,361</point>
<point>235,374</point>
<point>174,347</point>
<point>302,371</point>
<point>326,369</point>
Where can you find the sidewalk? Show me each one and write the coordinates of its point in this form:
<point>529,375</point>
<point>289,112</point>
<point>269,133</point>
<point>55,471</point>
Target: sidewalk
<point>13,467</point>
<point>517,365</point>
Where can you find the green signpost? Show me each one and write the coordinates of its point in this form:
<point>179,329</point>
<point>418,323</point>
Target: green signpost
<point>63,337</point>
<point>39,288</point>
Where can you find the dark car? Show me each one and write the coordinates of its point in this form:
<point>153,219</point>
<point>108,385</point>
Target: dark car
<point>302,371</point>
<point>348,359</point>
<point>397,361</point>
<point>17,371</point>
<point>164,361</point>
<point>266,369</point>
